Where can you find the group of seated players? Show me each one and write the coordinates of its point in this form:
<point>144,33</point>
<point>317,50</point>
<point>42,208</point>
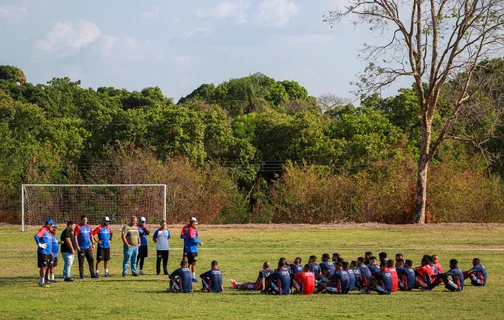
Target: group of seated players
<point>367,274</point>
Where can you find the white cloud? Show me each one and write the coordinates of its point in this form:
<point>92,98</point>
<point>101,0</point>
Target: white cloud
<point>236,10</point>
<point>12,14</point>
<point>151,14</point>
<point>183,59</point>
<point>122,49</point>
<point>198,31</point>
<point>67,38</point>
<point>277,13</point>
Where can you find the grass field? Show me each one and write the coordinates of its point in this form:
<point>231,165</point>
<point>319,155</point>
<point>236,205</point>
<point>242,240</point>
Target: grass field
<point>241,251</point>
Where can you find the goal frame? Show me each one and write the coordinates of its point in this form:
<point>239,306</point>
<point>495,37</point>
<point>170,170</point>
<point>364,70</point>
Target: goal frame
<point>23,186</point>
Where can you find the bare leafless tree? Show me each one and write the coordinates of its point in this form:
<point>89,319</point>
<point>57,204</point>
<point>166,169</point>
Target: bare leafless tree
<point>434,42</point>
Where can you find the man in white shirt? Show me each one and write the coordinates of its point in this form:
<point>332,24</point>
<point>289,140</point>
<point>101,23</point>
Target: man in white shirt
<point>161,238</point>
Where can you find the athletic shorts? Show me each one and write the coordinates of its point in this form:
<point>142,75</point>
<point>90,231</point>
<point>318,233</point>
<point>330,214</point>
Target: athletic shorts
<point>184,254</point>
<point>450,285</point>
<point>103,254</point>
<point>143,251</point>
<point>191,257</point>
<point>44,260</point>
<point>54,262</point>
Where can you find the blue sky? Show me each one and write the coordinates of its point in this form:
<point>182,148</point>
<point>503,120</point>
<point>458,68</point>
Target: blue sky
<point>177,45</point>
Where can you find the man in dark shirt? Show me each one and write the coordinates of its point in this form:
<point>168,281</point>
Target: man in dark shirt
<point>338,282</point>
<point>382,281</point>
<point>181,279</point>
<point>406,274</point>
<point>212,279</point>
<point>477,274</point>
<point>260,284</point>
<point>68,248</point>
<point>314,266</point>
<point>455,284</point>
<point>365,273</point>
<point>280,280</point>
<point>373,265</point>
<point>327,268</point>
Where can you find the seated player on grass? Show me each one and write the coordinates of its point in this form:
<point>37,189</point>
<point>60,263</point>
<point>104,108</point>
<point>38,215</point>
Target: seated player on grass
<point>351,275</point>
<point>294,268</point>
<point>356,273</point>
<point>393,272</point>
<point>365,273</point>
<point>373,266</point>
<point>455,284</point>
<point>304,282</point>
<point>338,283</point>
<point>181,279</point>
<point>367,256</point>
<point>383,257</point>
<point>327,268</point>
<point>399,256</point>
<point>280,279</point>
<point>314,266</point>
<point>381,282</point>
<point>477,274</point>
<point>260,284</point>
<point>435,260</point>
<point>424,274</point>
<point>406,274</point>
<point>212,279</point>
<point>431,264</point>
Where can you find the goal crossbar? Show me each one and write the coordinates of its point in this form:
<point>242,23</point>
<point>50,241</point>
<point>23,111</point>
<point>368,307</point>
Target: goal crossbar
<point>24,186</point>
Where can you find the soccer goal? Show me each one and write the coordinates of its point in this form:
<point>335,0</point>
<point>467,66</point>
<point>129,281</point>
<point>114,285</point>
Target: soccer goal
<point>64,202</point>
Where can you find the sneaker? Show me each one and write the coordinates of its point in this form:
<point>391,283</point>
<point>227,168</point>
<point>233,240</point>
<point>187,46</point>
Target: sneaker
<point>365,290</point>
<point>141,272</point>
<point>82,277</point>
<point>157,273</point>
<point>95,276</point>
<point>425,289</point>
<point>125,275</point>
<point>233,282</point>
<point>107,275</point>
<point>194,280</point>
<point>166,272</point>
<point>44,285</point>
<point>68,280</point>
<point>170,290</point>
<point>52,281</point>
<point>135,274</point>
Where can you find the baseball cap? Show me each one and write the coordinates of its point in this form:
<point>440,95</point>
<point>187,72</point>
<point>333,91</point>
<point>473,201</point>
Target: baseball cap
<point>106,219</point>
<point>142,219</point>
<point>193,219</point>
<point>49,221</point>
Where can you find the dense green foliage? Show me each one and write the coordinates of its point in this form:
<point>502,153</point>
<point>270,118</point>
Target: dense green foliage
<point>233,152</point>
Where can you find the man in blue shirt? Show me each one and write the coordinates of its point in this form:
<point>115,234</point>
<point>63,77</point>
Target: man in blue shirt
<point>373,266</point>
<point>339,281</point>
<point>85,246</point>
<point>356,273</point>
<point>280,279</point>
<point>212,279</point>
<point>54,256</point>
<point>406,274</point>
<point>314,266</point>
<point>43,238</point>
<point>477,274</point>
<point>181,279</point>
<point>261,282</point>
<point>365,273</point>
<point>295,267</point>
<point>191,242</point>
<point>455,284</point>
<point>382,281</point>
<point>327,268</point>
<point>143,232</point>
<point>351,276</point>
<point>104,234</point>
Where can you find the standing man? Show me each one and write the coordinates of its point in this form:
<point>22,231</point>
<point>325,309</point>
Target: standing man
<point>131,241</point>
<point>54,256</point>
<point>68,247</point>
<point>104,234</point>
<point>191,243</point>
<point>43,239</point>
<point>85,246</point>
<point>143,250</point>
<point>161,238</point>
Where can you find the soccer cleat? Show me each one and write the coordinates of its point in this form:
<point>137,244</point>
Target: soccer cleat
<point>107,275</point>
<point>141,272</point>
<point>194,280</point>
<point>233,282</point>
<point>95,276</point>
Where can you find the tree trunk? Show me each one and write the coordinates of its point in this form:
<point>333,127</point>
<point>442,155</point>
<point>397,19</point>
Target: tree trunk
<point>423,165</point>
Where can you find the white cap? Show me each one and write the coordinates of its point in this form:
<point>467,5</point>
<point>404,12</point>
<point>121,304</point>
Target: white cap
<point>106,219</point>
<point>193,219</point>
<point>142,219</point>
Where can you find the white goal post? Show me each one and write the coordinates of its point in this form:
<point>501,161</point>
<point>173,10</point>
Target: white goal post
<point>64,202</point>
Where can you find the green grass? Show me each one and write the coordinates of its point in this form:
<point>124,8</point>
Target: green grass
<point>241,253</point>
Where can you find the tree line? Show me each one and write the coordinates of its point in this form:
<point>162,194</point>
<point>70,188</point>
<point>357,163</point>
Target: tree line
<point>254,149</point>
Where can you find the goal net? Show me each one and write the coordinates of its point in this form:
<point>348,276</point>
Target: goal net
<point>64,202</point>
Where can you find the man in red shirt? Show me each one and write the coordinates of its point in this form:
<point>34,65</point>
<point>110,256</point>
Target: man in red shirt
<point>304,282</point>
<point>435,260</point>
<point>393,272</point>
<point>424,274</point>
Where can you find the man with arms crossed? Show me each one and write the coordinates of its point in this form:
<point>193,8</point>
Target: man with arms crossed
<point>104,234</point>
<point>161,238</point>
<point>68,247</point>
<point>131,241</point>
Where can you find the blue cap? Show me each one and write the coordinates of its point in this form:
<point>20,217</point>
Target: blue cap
<point>106,219</point>
<point>49,221</point>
